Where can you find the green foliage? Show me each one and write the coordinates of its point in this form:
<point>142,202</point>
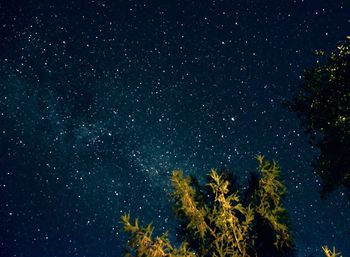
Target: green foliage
<point>186,203</point>
<point>142,244</point>
<point>222,225</point>
<point>330,253</point>
<point>270,193</point>
<point>323,107</point>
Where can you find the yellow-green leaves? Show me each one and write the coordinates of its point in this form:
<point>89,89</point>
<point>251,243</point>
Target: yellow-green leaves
<point>184,194</point>
<point>225,226</point>
<point>125,220</point>
<point>143,245</point>
<point>230,231</point>
<point>220,225</point>
<point>330,253</point>
<point>270,193</point>
<point>342,120</point>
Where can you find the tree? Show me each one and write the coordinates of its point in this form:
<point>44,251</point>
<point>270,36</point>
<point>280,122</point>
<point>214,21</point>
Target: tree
<point>330,253</point>
<point>221,224</point>
<point>323,107</point>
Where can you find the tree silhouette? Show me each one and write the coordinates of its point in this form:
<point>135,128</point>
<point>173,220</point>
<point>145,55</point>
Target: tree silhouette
<point>323,107</point>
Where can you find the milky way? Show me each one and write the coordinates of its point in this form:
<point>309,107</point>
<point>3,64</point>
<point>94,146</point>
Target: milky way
<point>101,100</point>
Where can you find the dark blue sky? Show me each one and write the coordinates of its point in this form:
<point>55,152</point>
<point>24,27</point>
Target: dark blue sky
<point>101,100</point>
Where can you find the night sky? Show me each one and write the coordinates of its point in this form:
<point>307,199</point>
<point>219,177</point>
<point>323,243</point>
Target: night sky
<point>101,100</point>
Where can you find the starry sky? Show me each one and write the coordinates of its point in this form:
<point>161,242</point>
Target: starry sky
<point>100,100</point>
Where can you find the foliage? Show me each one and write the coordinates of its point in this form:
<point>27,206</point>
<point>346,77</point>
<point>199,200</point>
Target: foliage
<point>330,253</point>
<point>222,224</point>
<point>270,193</point>
<point>145,245</point>
<point>323,107</point>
